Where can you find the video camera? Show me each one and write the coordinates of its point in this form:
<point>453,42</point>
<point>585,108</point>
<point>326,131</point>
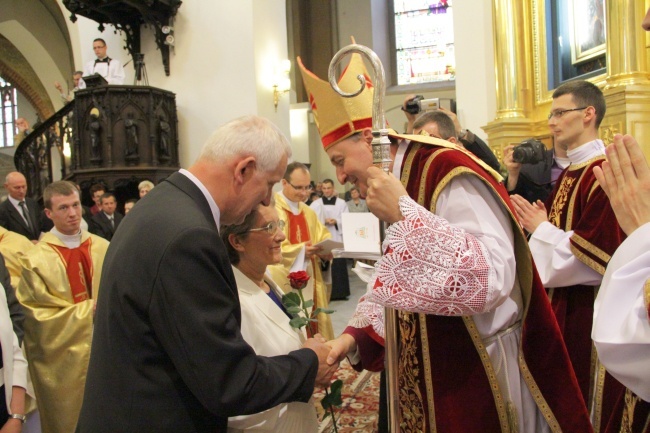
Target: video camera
<point>530,151</point>
<point>418,103</point>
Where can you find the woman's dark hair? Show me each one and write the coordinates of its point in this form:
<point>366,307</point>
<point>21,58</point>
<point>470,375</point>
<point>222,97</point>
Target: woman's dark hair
<point>239,230</point>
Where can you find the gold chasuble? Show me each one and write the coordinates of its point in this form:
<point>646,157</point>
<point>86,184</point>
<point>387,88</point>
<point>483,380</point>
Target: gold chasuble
<point>301,229</point>
<point>57,290</point>
<point>12,246</point>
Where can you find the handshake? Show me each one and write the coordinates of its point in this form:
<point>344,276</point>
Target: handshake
<point>330,354</point>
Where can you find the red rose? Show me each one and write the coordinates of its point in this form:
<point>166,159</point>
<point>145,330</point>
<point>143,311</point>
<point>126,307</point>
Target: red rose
<point>298,280</point>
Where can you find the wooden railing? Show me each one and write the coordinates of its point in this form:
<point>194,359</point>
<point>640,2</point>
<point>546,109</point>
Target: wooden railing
<point>41,153</point>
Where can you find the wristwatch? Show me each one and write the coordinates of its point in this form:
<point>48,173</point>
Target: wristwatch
<point>20,417</point>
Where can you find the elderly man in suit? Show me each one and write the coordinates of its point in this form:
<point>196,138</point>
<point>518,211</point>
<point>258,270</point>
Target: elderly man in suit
<point>105,222</point>
<point>20,213</point>
<point>167,352</point>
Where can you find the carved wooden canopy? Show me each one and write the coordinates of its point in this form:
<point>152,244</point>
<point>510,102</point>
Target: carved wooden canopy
<point>128,16</point>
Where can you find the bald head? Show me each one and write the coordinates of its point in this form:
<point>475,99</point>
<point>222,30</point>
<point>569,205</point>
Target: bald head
<point>16,185</point>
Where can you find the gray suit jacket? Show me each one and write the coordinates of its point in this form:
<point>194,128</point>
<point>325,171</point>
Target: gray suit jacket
<point>167,352</point>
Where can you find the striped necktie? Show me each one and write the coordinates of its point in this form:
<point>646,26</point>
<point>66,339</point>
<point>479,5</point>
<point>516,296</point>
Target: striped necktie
<point>23,207</point>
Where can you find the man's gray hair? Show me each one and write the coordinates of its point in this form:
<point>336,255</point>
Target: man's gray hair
<point>248,136</point>
<point>446,126</point>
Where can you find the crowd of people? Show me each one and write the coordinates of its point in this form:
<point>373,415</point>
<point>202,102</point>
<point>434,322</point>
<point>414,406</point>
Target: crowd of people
<point>523,302</point>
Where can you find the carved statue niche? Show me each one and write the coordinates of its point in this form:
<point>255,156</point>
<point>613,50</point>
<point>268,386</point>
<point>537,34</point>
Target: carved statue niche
<point>164,137</point>
<point>131,146</point>
<point>95,129</point>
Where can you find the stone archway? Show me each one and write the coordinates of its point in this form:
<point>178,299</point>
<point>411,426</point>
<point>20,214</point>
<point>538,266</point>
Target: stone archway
<point>15,68</point>
<point>35,51</point>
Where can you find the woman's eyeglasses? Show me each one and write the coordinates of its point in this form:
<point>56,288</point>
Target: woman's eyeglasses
<point>271,228</point>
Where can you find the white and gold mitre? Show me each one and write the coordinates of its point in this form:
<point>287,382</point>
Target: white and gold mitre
<point>338,117</point>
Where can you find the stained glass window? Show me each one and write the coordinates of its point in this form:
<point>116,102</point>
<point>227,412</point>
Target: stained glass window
<point>8,113</point>
<point>424,41</point>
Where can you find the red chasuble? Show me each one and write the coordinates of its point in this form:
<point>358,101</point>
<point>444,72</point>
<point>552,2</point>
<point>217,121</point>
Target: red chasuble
<point>79,268</point>
<point>446,380</point>
<point>578,203</point>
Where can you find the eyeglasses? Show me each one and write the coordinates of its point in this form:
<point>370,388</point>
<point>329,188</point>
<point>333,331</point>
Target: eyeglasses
<point>559,113</point>
<point>301,188</point>
<point>271,228</point>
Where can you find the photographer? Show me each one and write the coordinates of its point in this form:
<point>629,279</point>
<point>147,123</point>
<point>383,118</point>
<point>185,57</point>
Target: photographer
<point>419,121</point>
<point>534,180</point>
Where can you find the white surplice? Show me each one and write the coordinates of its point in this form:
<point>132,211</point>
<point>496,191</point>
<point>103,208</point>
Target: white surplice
<point>334,211</point>
<point>621,330</point>
<point>265,327</point>
<point>112,71</point>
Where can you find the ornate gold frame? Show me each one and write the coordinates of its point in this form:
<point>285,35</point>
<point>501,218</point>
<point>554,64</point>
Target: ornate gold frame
<point>543,95</point>
<point>578,56</point>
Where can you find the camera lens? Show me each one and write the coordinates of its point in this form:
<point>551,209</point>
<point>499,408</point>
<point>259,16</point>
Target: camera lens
<point>521,154</point>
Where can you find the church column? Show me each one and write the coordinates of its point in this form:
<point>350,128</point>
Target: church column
<point>514,91</point>
<point>626,51</point>
<point>509,53</point>
<point>627,89</point>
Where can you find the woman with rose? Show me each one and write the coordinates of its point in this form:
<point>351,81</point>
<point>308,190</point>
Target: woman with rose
<point>252,246</point>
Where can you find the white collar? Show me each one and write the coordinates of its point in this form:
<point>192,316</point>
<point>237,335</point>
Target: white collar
<point>586,151</point>
<point>15,202</point>
<point>293,205</point>
<point>70,241</point>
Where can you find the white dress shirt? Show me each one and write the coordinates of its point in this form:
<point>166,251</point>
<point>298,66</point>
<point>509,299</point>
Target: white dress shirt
<point>112,71</point>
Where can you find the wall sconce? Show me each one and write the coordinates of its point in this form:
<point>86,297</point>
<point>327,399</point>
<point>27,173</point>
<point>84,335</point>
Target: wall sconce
<point>282,82</point>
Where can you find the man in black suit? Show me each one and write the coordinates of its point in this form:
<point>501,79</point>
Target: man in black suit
<point>167,352</point>
<point>105,222</point>
<point>19,213</point>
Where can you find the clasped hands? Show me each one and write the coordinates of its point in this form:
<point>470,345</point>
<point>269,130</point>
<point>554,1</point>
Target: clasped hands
<point>530,215</point>
<point>330,354</point>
